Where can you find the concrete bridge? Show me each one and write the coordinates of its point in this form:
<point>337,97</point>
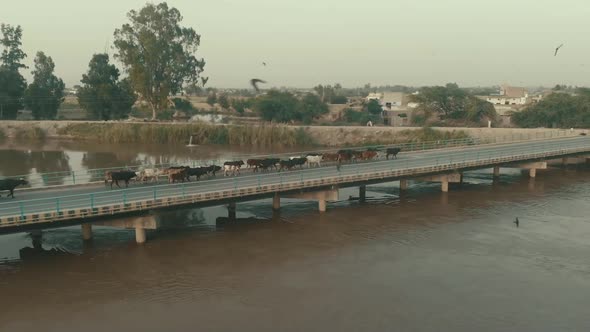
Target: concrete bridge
<point>93,204</point>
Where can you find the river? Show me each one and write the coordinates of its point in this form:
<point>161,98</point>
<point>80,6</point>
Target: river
<point>420,261</point>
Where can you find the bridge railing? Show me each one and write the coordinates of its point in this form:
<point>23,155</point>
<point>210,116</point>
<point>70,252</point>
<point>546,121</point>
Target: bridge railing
<point>95,202</point>
<point>84,176</point>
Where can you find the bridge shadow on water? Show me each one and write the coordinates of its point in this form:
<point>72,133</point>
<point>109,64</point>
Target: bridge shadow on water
<point>386,210</point>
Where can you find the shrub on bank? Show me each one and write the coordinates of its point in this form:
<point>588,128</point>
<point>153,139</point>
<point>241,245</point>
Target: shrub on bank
<point>202,133</point>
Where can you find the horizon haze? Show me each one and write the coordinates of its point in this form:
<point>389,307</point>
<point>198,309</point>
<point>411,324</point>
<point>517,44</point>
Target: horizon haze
<point>306,43</point>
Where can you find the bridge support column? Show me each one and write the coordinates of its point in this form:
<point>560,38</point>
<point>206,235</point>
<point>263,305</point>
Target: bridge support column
<point>444,185</point>
<point>231,211</point>
<point>322,196</point>
<point>322,205</point>
<point>496,171</point>
<point>403,184</point>
<point>533,172</point>
<point>276,202</point>
<point>362,193</point>
<point>140,234</point>
<point>87,232</point>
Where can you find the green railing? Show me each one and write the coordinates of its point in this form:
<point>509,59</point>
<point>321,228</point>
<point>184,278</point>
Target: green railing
<point>84,176</point>
<point>149,197</point>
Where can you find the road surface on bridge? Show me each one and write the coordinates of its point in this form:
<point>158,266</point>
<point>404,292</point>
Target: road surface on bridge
<point>52,199</point>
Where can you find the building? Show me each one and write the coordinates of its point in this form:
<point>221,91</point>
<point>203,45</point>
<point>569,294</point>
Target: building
<point>509,95</point>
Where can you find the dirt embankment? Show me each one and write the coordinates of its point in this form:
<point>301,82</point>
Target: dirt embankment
<point>277,134</point>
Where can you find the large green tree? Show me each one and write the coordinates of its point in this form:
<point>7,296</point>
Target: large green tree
<point>558,110</point>
<point>280,106</point>
<point>450,105</point>
<point>311,107</point>
<point>158,53</point>
<point>277,106</point>
<point>44,96</point>
<point>102,93</point>
<point>12,83</point>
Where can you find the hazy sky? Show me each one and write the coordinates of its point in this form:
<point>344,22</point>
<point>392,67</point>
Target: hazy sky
<point>307,42</point>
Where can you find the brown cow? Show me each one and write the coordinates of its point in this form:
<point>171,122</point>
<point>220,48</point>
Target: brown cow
<point>330,156</point>
<point>177,175</point>
<point>368,155</point>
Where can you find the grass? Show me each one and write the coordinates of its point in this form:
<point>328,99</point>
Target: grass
<point>2,134</point>
<point>202,133</point>
<point>30,133</point>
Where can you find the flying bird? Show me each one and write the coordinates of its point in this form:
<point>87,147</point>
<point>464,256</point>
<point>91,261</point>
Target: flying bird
<point>254,83</point>
<point>557,49</point>
<point>264,64</point>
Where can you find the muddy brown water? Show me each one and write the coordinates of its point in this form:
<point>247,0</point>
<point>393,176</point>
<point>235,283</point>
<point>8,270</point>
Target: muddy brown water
<point>421,261</point>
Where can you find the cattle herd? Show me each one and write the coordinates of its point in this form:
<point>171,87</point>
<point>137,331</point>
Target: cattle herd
<point>232,168</point>
<point>229,168</point>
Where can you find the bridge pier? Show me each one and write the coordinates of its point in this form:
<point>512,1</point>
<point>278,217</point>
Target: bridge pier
<point>403,185</point>
<point>444,180</point>
<point>86,232</point>
<point>231,211</point>
<point>322,196</point>
<point>532,167</point>
<point>496,171</point>
<point>276,202</point>
<point>140,224</point>
<point>532,172</point>
<point>363,193</point>
<point>140,236</point>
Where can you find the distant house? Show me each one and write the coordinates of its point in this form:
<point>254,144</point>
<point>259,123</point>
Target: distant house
<point>374,96</point>
<point>509,95</point>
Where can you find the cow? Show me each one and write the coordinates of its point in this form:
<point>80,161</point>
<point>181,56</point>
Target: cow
<point>254,163</point>
<point>392,151</point>
<point>148,174</point>
<point>179,174</point>
<point>368,155</point>
<point>213,169</point>
<point>10,184</point>
<point>314,159</point>
<point>330,157</point>
<point>287,164</point>
<point>175,169</point>
<point>116,176</point>
<point>197,172</point>
<point>346,155</point>
<point>299,161</point>
<point>269,162</point>
<point>232,166</point>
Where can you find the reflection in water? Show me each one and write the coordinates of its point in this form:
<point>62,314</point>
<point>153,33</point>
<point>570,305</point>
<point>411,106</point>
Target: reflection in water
<point>411,261</point>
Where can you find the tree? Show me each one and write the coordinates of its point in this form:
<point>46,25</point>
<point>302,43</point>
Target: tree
<point>212,99</point>
<point>12,83</point>
<point>452,105</point>
<point>46,93</point>
<point>277,106</point>
<point>102,94</point>
<point>158,53</point>
<point>374,108</point>
<point>311,107</point>
<point>223,102</point>
<point>558,110</point>
<point>240,104</point>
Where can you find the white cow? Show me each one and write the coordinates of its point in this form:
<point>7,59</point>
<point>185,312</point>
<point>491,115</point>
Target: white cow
<point>314,160</point>
<point>233,169</point>
<point>149,174</point>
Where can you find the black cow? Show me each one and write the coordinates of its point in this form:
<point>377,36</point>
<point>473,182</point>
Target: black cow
<point>119,176</point>
<point>299,161</point>
<point>197,172</point>
<point>288,164</point>
<point>213,169</point>
<point>10,184</point>
<point>393,152</point>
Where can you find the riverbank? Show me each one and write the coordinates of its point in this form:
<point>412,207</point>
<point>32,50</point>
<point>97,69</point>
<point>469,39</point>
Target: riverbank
<point>251,135</point>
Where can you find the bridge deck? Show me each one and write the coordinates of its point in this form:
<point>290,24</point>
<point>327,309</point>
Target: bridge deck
<point>85,202</point>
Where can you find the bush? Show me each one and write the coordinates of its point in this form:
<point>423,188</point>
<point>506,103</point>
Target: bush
<point>338,100</point>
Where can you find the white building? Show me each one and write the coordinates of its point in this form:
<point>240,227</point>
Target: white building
<point>509,95</point>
